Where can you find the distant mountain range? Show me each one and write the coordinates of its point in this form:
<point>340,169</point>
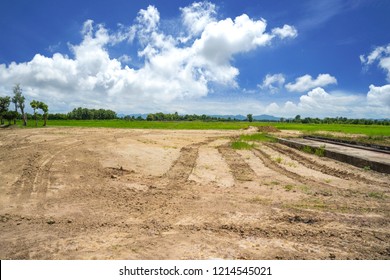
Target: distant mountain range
<point>237,117</point>
<point>131,115</point>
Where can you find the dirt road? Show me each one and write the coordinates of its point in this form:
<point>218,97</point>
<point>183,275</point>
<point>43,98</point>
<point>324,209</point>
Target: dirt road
<point>80,193</point>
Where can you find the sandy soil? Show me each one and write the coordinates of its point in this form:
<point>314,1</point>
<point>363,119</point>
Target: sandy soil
<point>80,193</point>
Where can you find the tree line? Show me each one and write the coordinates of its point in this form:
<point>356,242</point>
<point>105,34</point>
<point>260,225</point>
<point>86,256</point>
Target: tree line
<point>85,114</point>
<point>19,102</point>
<point>176,117</point>
<point>336,120</point>
<point>249,118</point>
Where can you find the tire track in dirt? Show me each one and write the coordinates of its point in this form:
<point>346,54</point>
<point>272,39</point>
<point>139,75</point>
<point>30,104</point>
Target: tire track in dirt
<point>147,196</point>
<point>240,169</point>
<point>35,177</point>
<point>182,168</point>
<point>183,165</point>
<point>309,163</point>
<point>42,178</point>
<point>323,188</point>
<point>23,187</point>
<point>268,162</point>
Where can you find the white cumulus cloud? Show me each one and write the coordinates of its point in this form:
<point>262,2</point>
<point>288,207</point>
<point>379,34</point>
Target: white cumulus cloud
<point>273,83</point>
<point>320,103</point>
<point>197,16</point>
<point>285,32</point>
<point>379,96</point>
<point>307,82</point>
<point>382,56</point>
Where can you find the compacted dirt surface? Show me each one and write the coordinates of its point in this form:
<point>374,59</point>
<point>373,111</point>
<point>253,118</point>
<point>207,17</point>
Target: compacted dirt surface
<point>81,193</point>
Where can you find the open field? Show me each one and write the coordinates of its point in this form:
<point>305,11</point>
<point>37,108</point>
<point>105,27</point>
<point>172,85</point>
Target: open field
<point>367,130</point>
<point>105,193</point>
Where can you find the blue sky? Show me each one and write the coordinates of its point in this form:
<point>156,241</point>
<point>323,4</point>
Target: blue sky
<point>314,58</point>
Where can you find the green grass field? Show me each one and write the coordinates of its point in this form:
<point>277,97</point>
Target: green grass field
<point>368,130</point>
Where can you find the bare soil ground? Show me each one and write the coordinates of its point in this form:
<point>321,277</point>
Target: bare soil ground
<point>80,193</point>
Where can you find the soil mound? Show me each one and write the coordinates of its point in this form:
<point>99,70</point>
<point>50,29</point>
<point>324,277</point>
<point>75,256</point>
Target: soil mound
<point>267,129</point>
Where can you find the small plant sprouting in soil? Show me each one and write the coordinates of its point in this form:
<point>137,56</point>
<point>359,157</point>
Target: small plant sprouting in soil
<point>279,159</point>
<point>288,187</point>
<point>291,164</point>
<point>378,195</point>
<point>366,168</point>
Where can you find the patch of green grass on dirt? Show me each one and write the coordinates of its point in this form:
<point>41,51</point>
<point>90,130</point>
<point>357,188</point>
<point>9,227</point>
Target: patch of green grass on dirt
<point>377,195</point>
<point>258,137</point>
<point>239,145</point>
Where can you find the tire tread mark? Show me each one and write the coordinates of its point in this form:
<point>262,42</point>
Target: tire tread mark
<point>239,168</point>
<point>309,163</point>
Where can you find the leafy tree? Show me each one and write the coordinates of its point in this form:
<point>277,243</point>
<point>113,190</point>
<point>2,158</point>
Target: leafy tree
<point>11,115</point>
<point>91,114</point>
<point>150,117</point>
<point>19,99</point>
<point>297,118</point>
<point>4,104</point>
<point>15,101</point>
<point>249,117</point>
<point>45,110</point>
<point>35,105</point>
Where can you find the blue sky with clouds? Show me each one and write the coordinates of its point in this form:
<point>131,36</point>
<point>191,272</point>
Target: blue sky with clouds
<point>314,58</point>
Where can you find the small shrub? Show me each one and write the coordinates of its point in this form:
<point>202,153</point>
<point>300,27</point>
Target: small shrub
<point>320,151</point>
<point>278,159</point>
<point>307,149</point>
<point>366,168</point>
<point>288,187</point>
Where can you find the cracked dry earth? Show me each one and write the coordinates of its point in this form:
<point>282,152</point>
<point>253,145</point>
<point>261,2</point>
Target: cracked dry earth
<point>81,193</point>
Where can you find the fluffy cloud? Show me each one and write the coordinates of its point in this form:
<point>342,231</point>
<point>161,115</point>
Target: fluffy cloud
<point>380,54</point>
<point>197,16</point>
<point>285,32</point>
<point>169,71</point>
<point>273,83</point>
<point>306,82</point>
<point>379,96</point>
<point>319,103</point>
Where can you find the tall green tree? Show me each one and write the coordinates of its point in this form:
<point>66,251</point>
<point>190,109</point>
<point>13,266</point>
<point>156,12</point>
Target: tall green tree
<point>249,117</point>
<point>35,105</point>
<point>45,110</point>
<point>19,99</point>
<point>4,104</point>
<point>15,101</point>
